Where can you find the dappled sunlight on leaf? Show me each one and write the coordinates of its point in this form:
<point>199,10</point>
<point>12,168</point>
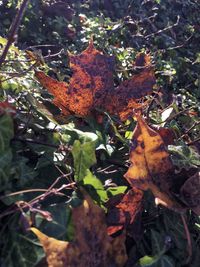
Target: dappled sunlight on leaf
<point>92,85</point>
<point>151,165</point>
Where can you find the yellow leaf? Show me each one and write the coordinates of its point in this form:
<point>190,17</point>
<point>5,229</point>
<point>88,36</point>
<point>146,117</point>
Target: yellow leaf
<point>92,246</point>
<point>151,165</point>
<point>54,249</point>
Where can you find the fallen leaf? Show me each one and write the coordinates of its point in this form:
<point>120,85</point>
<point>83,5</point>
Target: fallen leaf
<point>123,210</point>
<point>151,166</point>
<point>190,193</point>
<point>92,246</point>
<point>92,85</point>
<point>57,89</point>
<point>125,97</point>
<point>55,250</point>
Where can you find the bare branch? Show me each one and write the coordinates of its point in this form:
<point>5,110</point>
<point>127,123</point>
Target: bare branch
<point>13,30</point>
<point>165,29</point>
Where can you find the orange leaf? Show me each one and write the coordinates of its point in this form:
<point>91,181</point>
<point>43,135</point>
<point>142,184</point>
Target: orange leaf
<point>57,89</point>
<point>91,246</point>
<point>123,210</point>
<point>151,166</point>
<point>92,85</point>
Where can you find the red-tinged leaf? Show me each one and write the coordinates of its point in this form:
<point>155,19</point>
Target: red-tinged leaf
<point>6,107</point>
<point>123,210</point>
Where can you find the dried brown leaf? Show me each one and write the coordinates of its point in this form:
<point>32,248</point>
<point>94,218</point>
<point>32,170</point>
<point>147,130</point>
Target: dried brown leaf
<point>151,165</point>
<point>92,246</point>
<point>92,86</point>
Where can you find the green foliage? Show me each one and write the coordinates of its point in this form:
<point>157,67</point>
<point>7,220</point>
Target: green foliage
<point>94,186</point>
<point>6,134</point>
<point>184,156</point>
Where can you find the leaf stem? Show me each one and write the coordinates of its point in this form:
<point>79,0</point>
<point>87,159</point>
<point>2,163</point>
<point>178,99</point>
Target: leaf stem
<point>23,192</point>
<point>188,239</point>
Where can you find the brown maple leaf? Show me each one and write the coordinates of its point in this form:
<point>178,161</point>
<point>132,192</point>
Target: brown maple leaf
<point>92,246</point>
<point>151,167</point>
<point>92,85</point>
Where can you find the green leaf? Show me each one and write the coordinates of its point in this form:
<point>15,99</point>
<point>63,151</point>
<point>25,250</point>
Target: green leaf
<point>148,261</point>
<point>3,41</point>
<point>6,131</point>
<point>184,156</point>
<point>157,242</point>
<point>61,227</point>
<point>156,261</point>
<point>22,173</point>
<point>95,188</point>
<point>39,107</point>
<point>84,157</point>
<point>113,191</point>
<point>21,250</point>
<point>158,250</point>
<point>5,165</point>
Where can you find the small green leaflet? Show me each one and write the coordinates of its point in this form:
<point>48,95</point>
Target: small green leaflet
<point>94,186</point>
<point>84,157</point>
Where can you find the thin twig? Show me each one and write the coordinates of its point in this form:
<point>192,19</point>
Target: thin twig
<point>49,192</point>
<point>193,142</point>
<point>18,74</point>
<point>191,128</point>
<point>181,45</point>
<point>13,30</point>
<point>163,30</point>
<point>54,55</point>
<point>151,104</point>
<point>23,192</point>
<point>175,115</point>
<point>44,45</point>
<point>37,142</point>
<point>188,239</point>
<point>24,205</point>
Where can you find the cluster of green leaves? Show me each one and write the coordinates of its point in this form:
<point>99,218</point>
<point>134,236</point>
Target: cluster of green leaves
<point>36,151</point>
